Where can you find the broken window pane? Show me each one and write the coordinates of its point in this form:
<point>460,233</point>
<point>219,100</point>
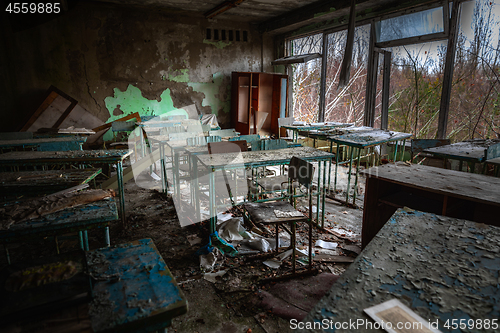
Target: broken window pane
<point>346,104</point>
<point>306,78</point>
<point>417,24</point>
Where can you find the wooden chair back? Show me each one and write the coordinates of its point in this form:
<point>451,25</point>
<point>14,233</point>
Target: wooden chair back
<point>225,147</point>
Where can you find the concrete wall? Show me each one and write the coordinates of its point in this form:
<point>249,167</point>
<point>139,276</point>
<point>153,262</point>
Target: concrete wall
<point>119,60</point>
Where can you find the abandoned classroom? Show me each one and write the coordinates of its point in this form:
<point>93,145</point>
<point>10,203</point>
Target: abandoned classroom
<point>250,166</point>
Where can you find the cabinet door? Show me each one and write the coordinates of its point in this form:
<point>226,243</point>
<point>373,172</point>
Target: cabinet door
<point>241,92</point>
<point>280,102</point>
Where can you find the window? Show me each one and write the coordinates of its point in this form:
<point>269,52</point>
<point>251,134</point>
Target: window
<point>306,78</point>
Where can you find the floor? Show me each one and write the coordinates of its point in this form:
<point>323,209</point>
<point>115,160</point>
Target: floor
<point>235,301</point>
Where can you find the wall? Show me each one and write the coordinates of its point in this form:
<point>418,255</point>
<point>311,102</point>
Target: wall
<point>119,60</point>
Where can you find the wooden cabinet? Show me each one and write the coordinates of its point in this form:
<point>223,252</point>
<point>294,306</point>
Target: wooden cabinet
<point>257,101</point>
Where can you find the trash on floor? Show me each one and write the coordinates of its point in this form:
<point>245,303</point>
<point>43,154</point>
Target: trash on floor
<point>326,245</point>
<point>212,277</point>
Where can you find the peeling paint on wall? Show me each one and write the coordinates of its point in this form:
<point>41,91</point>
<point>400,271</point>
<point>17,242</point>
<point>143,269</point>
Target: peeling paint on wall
<point>211,91</point>
<point>131,100</point>
<point>184,77</point>
<point>220,44</point>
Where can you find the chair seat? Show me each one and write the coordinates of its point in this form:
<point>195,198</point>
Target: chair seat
<point>263,212</point>
<point>275,183</point>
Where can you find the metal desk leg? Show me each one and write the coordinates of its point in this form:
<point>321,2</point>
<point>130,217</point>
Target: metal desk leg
<point>349,175</point>
<point>212,202</point>
<point>323,194</point>
<point>85,240</point>
<point>163,169</point>
<point>318,195</point>
<point>119,179</point>
<point>336,170</point>
<point>106,236</point>
<point>80,235</point>
<point>7,254</point>
<point>215,239</point>
<point>330,166</point>
<point>472,167</point>
<point>356,179</point>
<point>403,150</point>
<point>395,151</point>
<point>177,177</point>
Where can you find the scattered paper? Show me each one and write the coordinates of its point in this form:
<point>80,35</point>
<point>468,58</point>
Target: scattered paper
<point>344,232</point>
<point>212,277</point>
<point>326,245</point>
<point>232,229</point>
<point>315,209</point>
<point>155,176</point>
<point>276,261</point>
<point>221,217</point>
<point>207,261</point>
<point>399,315</point>
<point>283,214</point>
<point>260,244</point>
<point>273,263</point>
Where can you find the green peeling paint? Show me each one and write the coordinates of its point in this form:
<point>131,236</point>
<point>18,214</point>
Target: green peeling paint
<point>131,101</point>
<point>184,77</point>
<point>220,44</point>
<point>211,89</point>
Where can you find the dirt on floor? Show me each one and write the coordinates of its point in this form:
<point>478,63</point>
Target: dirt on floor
<point>238,298</point>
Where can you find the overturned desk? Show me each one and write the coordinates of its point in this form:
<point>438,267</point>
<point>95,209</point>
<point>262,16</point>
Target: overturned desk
<point>444,269</point>
<point>435,190</point>
<point>17,159</point>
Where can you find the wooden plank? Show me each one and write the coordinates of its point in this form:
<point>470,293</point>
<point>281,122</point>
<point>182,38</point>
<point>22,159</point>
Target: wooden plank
<point>108,125</point>
<point>65,114</point>
<point>472,187</point>
<point>51,96</point>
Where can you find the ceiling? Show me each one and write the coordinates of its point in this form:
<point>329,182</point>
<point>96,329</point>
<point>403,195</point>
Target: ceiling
<point>281,16</point>
<point>251,10</point>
